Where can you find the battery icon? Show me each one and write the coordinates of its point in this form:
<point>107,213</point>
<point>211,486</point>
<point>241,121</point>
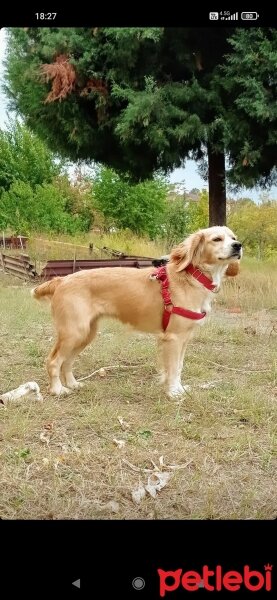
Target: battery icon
<point>249,16</point>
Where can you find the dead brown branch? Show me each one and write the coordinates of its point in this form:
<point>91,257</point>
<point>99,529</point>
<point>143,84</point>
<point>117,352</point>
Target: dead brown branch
<point>63,76</point>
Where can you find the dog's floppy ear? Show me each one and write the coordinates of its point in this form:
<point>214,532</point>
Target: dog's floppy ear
<point>233,269</point>
<point>188,252</point>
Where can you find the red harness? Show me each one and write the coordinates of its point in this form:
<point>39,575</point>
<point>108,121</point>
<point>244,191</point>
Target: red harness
<point>161,276</point>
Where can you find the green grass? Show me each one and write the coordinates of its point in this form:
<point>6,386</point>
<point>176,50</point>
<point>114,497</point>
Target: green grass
<point>225,435</point>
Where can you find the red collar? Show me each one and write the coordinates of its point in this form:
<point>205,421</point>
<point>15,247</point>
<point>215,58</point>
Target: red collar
<point>161,275</point>
<point>197,274</point>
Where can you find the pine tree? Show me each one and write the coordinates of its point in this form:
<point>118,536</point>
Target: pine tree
<point>144,99</point>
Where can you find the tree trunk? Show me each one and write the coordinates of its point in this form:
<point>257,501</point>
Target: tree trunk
<point>217,188</point>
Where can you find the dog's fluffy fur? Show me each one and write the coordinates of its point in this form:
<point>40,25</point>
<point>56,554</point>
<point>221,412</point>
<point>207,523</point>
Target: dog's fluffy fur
<point>133,297</point>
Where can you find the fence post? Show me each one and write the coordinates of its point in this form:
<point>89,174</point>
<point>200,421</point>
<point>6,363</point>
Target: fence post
<point>3,236</point>
<point>2,261</point>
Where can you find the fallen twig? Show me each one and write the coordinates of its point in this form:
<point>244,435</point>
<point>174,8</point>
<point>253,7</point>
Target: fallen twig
<point>109,369</point>
<point>156,468</point>
<point>137,469</point>
<point>238,370</point>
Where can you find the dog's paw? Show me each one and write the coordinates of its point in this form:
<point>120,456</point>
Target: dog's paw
<point>178,390</point>
<point>60,391</point>
<point>76,385</point>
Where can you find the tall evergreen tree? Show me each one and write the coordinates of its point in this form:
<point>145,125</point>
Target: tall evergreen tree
<point>143,99</point>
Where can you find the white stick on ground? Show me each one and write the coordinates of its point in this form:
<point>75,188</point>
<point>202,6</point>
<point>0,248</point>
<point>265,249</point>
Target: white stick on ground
<point>31,387</point>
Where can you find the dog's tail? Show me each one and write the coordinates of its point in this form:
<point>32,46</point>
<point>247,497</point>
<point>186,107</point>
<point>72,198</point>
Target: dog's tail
<point>46,290</point>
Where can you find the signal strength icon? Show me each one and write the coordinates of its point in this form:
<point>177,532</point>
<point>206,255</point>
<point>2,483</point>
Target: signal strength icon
<point>233,17</point>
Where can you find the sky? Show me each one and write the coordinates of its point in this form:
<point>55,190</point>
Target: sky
<point>188,174</point>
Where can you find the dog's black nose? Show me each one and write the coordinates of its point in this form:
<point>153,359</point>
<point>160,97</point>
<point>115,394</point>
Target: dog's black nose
<point>237,246</point>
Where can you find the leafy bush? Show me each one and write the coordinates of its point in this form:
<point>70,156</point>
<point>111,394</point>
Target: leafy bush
<point>24,157</point>
<point>256,227</point>
<point>55,206</point>
<point>139,207</point>
<point>183,217</point>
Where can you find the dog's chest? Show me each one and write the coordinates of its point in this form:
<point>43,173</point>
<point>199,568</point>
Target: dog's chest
<point>207,305</point>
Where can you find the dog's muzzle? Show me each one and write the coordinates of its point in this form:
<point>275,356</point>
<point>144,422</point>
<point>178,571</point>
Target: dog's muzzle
<point>236,250</point>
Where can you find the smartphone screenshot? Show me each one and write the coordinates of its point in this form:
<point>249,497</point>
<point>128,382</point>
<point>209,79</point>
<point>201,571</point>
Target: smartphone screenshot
<point>138,253</point>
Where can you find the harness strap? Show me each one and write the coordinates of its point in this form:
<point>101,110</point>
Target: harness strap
<point>197,274</point>
<point>183,312</point>
<point>161,275</point>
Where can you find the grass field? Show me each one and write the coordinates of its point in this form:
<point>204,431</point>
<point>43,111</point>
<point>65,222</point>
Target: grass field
<point>222,437</point>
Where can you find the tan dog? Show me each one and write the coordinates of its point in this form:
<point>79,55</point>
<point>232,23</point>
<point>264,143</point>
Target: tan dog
<point>134,296</point>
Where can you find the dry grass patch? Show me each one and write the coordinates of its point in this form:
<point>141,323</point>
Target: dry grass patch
<point>225,434</point>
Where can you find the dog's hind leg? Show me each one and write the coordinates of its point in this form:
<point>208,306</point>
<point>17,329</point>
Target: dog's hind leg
<point>66,367</point>
<point>53,364</point>
<point>71,341</point>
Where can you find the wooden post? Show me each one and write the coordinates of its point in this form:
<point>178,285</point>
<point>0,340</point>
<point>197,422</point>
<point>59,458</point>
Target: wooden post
<point>2,261</point>
<point>74,261</point>
<point>3,236</point>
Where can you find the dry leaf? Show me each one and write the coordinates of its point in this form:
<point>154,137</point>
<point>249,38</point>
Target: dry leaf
<point>123,423</point>
<point>156,482</point>
<point>138,494</point>
<point>119,443</point>
<point>102,372</point>
<point>69,447</point>
<point>49,426</point>
<point>112,505</point>
<point>59,461</point>
<point>207,386</point>
<point>44,438</point>
<point>64,447</point>
<point>250,330</point>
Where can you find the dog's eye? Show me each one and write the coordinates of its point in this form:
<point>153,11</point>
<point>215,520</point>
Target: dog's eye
<point>218,239</point>
<point>233,238</point>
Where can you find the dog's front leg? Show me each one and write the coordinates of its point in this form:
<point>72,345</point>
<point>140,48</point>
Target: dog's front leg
<point>182,356</point>
<point>172,348</point>
<point>162,375</point>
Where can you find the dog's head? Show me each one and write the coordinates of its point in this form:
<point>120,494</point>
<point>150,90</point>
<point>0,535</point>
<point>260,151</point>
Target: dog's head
<point>211,246</point>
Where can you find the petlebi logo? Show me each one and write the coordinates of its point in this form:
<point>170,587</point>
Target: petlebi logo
<point>216,579</point>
